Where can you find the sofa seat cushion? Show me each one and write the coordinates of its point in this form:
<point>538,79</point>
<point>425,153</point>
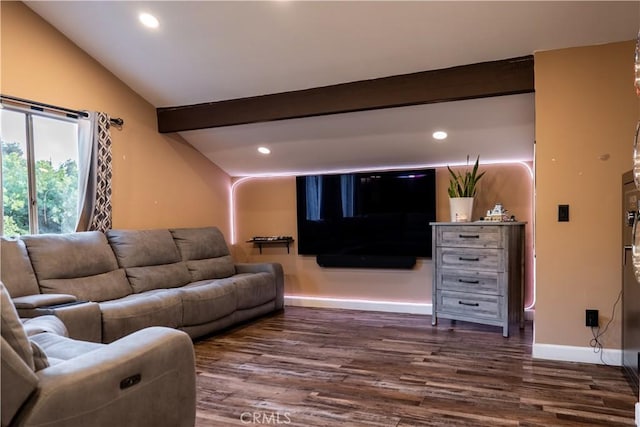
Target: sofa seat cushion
<point>60,348</point>
<point>81,264</point>
<point>47,323</point>
<point>254,289</point>
<point>205,252</point>
<point>150,259</point>
<point>207,300</point>
<point>137,311</point>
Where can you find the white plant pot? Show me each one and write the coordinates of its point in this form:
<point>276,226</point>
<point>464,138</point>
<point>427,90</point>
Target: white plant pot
<point>461,208</point>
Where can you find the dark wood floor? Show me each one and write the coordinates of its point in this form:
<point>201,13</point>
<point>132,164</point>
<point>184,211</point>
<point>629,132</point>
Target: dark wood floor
<point>322,367</point>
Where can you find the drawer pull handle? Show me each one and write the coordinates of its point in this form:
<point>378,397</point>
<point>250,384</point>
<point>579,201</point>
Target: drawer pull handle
<point>469,236</point>
<point>473,282</point>
<point>470,304</point>
<point>461,258</point>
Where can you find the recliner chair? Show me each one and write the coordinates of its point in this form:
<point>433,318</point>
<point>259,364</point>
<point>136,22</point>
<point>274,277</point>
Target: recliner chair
<point>144,379</point>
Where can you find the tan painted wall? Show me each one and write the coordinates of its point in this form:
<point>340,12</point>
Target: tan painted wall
<point>585,108</point>
<point>158,181</point>
<point>267,206</point>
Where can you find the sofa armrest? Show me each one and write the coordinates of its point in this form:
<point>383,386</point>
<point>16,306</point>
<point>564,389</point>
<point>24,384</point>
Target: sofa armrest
<point>145,378</point>
<point>267,267</point>
<point>83,319</point>
<point>42,300</point>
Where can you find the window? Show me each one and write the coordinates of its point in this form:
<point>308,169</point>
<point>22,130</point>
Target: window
<point>39,172</point>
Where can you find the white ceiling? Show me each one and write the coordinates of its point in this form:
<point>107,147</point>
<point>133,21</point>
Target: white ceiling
<point>210,51</point>
<point>498,128</point>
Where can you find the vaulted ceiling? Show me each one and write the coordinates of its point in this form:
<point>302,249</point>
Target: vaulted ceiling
<point>205,52</point>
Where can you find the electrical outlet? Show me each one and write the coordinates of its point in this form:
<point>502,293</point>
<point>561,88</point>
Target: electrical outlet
<point>591,318</point>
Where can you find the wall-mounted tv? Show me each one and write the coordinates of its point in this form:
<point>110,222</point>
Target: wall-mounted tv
<point>378,214</point>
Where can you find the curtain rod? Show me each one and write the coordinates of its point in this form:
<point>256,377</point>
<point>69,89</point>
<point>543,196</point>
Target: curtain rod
<point>42,106</point>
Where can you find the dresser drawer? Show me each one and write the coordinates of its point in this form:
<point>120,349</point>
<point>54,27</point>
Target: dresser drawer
<point>470,305</point>
<point>469,236</point>
<point>470,259</point>
<point>470,281</point>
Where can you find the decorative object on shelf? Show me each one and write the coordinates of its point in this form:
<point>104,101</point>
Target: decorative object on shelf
<point>462,191</point>
<point>498,214</point>
<point>269,240</point>
<point>461,208</point>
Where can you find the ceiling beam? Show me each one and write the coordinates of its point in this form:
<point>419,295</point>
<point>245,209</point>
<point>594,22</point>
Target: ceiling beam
<point>485,79</point>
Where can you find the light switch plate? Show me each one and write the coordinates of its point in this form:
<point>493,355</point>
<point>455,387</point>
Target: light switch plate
<point>563,213</point>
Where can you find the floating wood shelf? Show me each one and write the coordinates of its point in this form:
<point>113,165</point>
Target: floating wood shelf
<point>260,241</point>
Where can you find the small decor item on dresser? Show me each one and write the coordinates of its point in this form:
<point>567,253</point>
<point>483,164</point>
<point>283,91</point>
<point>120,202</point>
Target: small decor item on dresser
<point>462,191</point>
<point>498,214</point>
<point>461,208</point>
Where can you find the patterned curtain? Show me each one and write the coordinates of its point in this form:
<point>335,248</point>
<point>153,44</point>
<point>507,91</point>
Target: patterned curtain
<point>95,174</point>
<point>101,219</point>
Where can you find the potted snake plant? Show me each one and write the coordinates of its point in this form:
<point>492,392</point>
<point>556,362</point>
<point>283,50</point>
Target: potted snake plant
<point>462,191</point>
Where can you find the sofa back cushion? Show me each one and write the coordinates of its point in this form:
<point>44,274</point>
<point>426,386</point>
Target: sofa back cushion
<point>16,269</point>
<point>205,252</point>
<point>11,328</point>
<point>80,264</point>
<point>150,259</point>
<point>19,380</point>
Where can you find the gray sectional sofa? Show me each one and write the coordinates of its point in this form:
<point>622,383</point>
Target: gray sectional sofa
<point>107,285</point>
<point>144,379</point>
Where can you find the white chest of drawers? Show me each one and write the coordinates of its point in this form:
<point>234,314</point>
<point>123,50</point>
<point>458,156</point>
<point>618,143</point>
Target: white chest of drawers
<point>478,272</point>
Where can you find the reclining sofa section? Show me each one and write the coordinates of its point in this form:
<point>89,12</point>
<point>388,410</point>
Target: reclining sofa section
<point>181,278</point>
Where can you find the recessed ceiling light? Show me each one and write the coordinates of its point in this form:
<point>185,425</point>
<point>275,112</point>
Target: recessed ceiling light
<point>148,20</point>
<point>439,135</point>
<point>264,150</point>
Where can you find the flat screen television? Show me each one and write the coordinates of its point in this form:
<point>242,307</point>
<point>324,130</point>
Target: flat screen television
<point>367,213</point>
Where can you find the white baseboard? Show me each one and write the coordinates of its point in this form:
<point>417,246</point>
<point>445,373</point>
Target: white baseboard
<point>568,353</point>
<point>358,304</point>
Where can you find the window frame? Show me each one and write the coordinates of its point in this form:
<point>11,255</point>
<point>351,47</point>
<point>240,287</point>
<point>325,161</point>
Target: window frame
<point>32,190</point>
